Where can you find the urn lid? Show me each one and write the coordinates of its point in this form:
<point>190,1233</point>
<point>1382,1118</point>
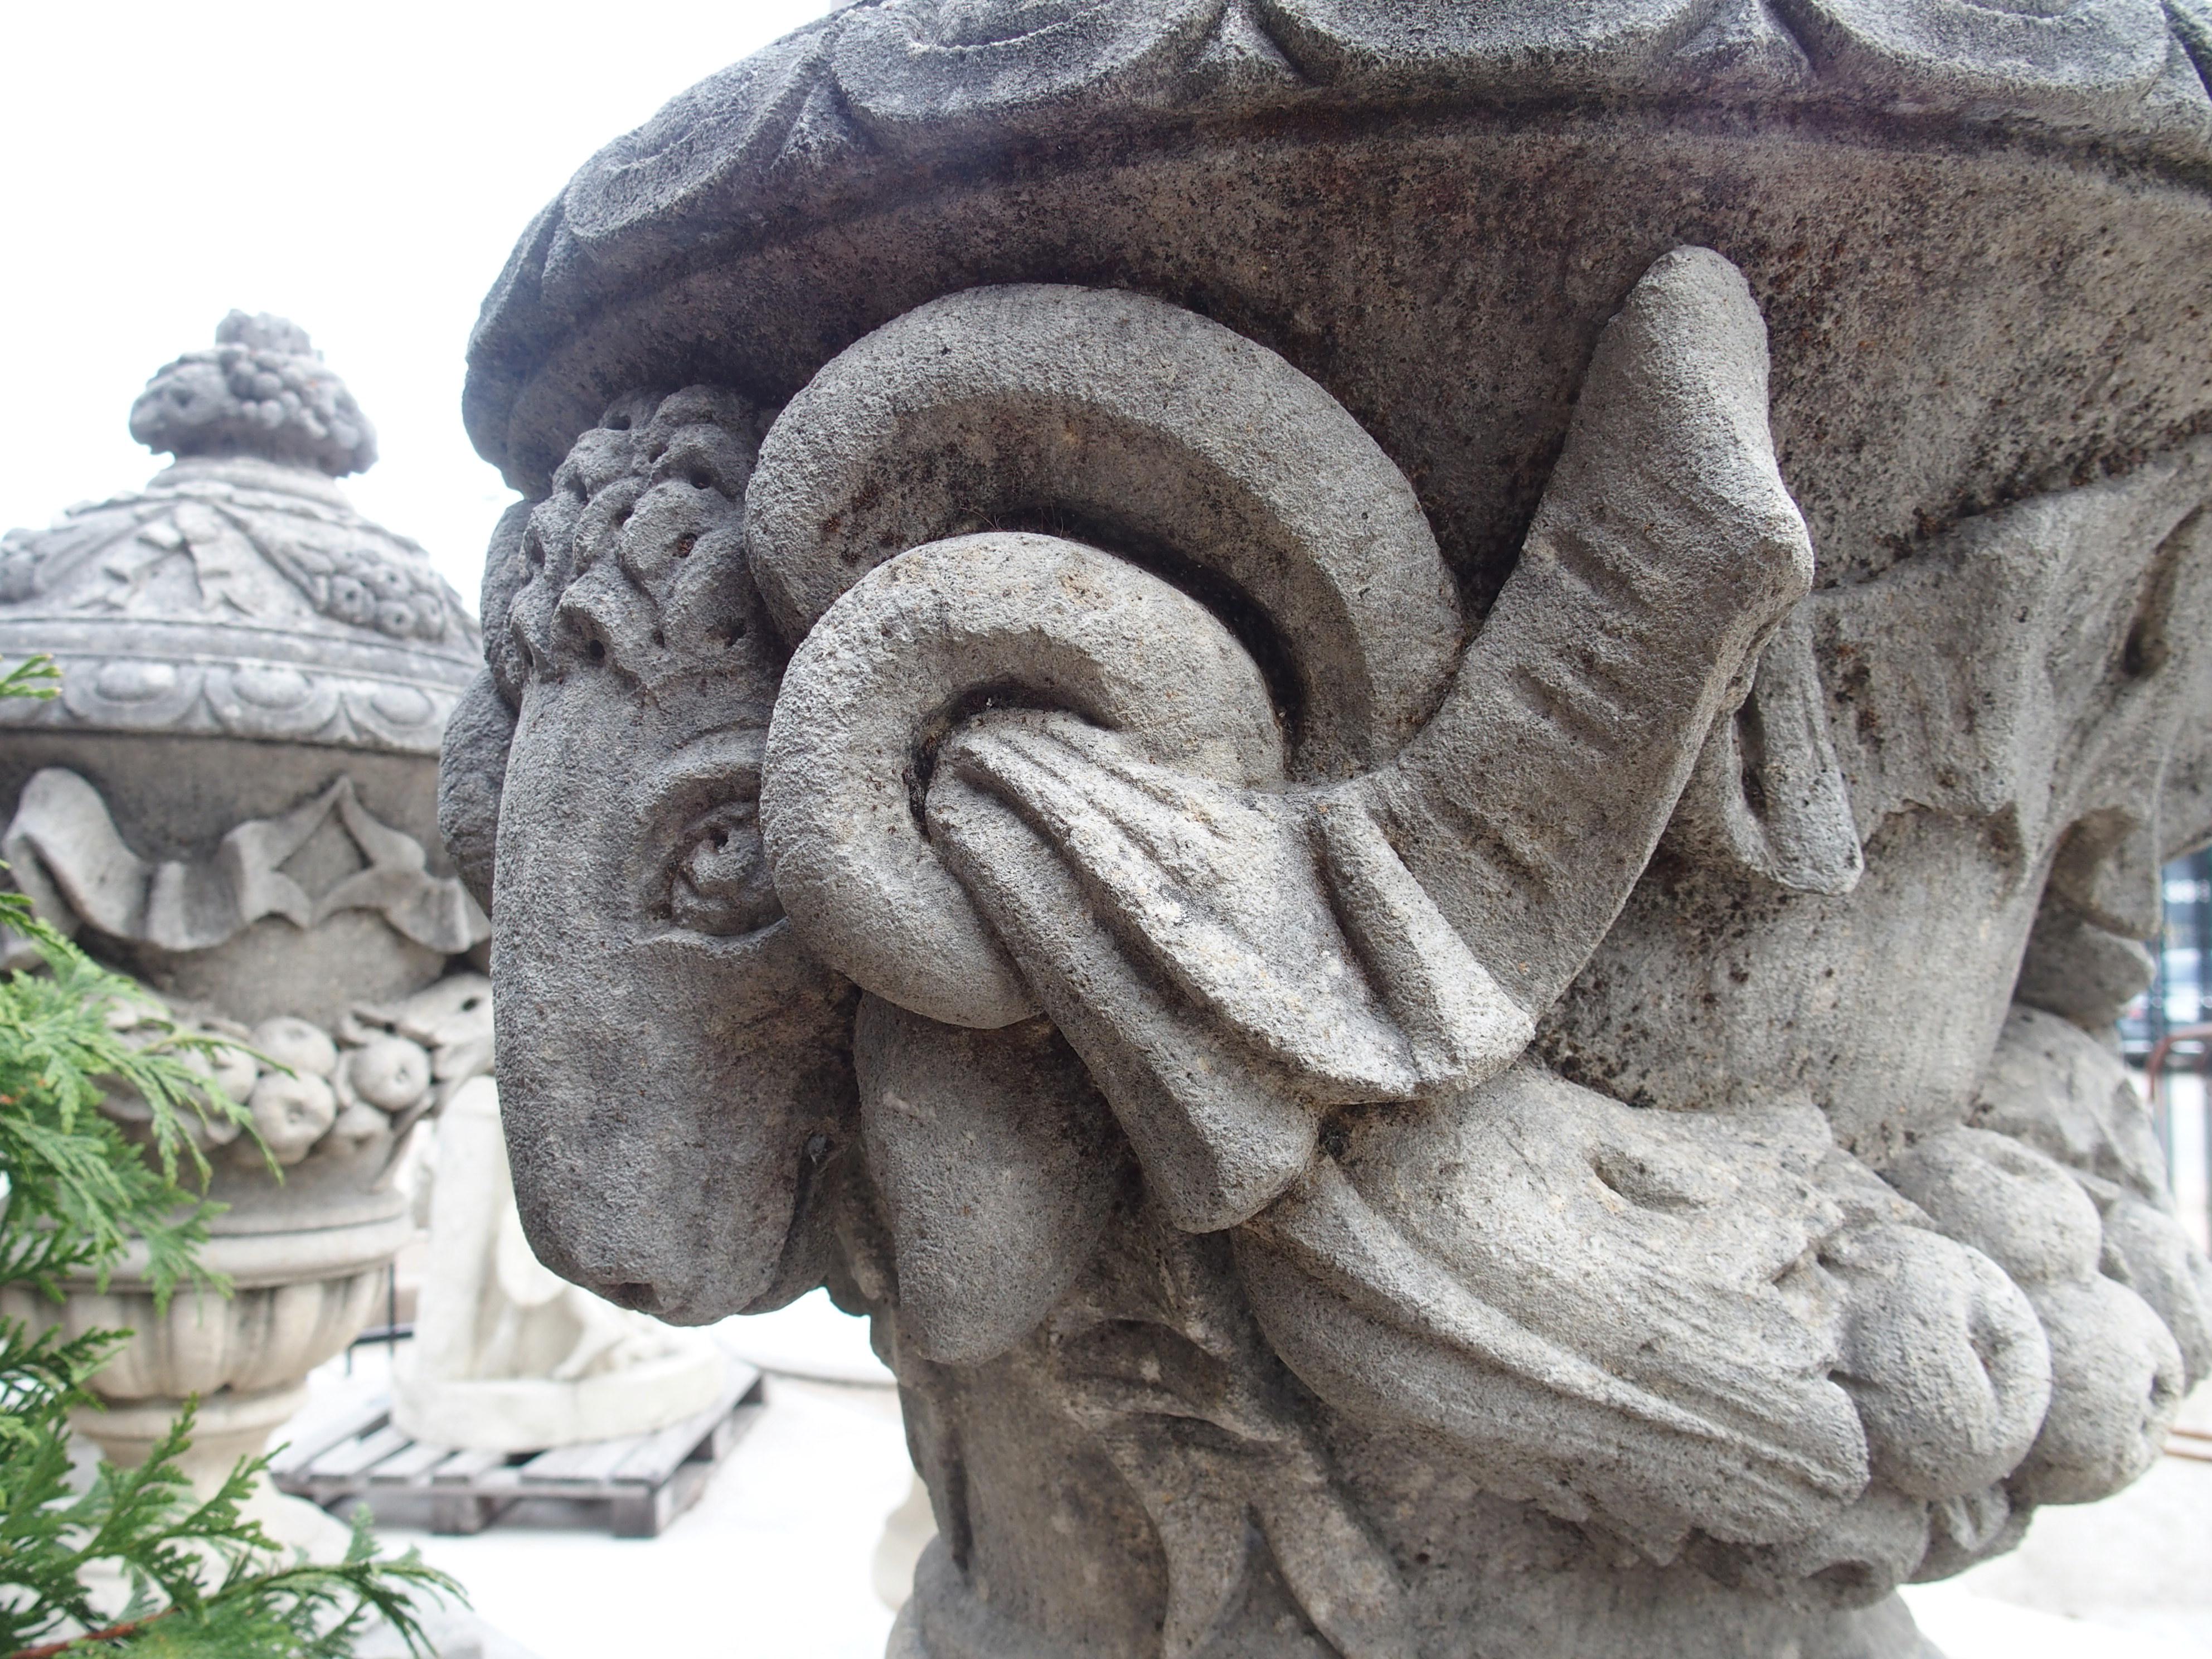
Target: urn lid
<point>237,594</point>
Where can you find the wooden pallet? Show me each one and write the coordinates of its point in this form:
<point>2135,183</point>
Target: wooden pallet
<point>2194,1444</point>
<point>645,1480</point>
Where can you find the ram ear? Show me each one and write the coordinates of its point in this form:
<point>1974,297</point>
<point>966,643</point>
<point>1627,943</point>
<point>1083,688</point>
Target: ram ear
<point>999,1168</point>
<point>472,759</point>
<point>471,769</point>
<point>506,569</point>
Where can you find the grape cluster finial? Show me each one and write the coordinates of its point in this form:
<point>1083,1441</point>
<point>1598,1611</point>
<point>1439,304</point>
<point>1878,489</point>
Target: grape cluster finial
<point>263,390</point>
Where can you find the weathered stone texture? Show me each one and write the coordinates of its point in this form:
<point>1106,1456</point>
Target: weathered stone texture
<point>1394,765</point>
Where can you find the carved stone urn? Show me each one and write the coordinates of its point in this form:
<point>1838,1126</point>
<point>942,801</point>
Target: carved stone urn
<point>1394,764</point>
<point>232,801</point>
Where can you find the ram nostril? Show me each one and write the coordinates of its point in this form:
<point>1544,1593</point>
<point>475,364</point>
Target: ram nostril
<point>637,1297</point>
<point>597,650</point>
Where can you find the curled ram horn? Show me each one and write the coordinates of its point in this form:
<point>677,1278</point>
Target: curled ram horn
<point>1006,615</point>
<point>1310,629</point>
<point>1234,937</point>
<point>1132,423</point>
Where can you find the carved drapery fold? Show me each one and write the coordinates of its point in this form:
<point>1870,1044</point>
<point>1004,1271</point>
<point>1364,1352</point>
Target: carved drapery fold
<point>64,852</point>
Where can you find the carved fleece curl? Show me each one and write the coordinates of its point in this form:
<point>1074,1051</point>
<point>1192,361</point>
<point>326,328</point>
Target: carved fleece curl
<point>637,557</point>
<point>635,560</point>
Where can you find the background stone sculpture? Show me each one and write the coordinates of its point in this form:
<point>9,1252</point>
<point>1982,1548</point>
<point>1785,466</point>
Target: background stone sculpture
<point>231,800</point>
<point>1421,875</point>
<point>507,1358</point>
<point>333,941</point>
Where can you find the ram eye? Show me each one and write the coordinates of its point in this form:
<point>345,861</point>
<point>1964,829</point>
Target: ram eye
<point>718,882</point>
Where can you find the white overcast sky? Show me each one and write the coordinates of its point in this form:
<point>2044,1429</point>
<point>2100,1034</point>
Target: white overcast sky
<point>362,169</point>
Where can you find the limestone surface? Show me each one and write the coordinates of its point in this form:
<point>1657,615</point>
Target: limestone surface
<point>1395,766</point>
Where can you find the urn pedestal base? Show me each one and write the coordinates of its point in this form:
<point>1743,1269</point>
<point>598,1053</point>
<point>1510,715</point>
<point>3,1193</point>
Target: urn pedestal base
<point>299,1295</point>
<point>230,1425</point>
<point>530,1414</point>
<point>1556,1615</point>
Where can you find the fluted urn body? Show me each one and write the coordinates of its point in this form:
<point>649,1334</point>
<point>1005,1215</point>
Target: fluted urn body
<point>232,801</point>
<point>1395,766</point>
